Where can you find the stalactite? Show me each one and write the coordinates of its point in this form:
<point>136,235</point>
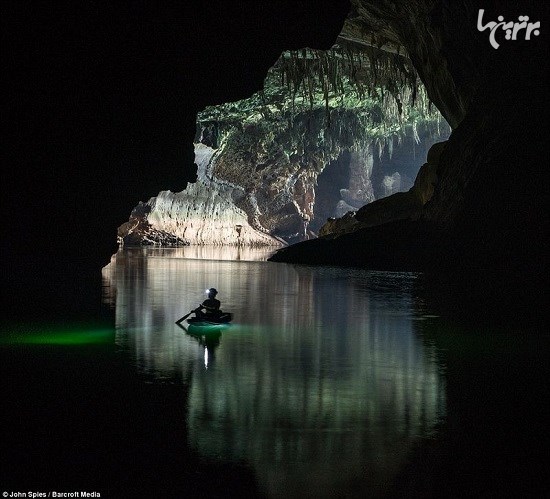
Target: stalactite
<point>319,100</point>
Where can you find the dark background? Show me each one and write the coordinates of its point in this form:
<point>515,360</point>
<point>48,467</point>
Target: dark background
<point>99,113</point>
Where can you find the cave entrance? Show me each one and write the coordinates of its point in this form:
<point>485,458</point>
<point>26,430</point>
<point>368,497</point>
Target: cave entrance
<point>372,172</point>
<point>334,177</point>
<point>396,166</point>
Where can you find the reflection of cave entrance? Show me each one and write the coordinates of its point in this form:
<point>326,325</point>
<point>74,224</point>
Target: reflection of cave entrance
<point>334,177</point>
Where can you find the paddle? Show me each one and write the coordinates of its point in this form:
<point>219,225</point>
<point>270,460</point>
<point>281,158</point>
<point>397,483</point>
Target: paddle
<point>184,317</point>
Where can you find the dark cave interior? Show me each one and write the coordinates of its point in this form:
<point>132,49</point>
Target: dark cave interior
<point>101,104</point>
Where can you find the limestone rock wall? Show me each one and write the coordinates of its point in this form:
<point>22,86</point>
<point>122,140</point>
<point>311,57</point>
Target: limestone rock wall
<point>280,198</point>
<point>422,29</point>
<point>316,142</point>
<point>484,211</point>
<point>203,214</point>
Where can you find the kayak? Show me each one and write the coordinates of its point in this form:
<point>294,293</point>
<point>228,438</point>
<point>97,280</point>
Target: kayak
<point>210,321</point>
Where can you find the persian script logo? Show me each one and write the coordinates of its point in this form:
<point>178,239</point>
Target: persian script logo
<point>512,29</point>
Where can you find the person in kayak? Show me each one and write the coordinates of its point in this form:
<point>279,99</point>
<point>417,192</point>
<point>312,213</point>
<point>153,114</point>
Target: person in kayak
<point>211,306</point>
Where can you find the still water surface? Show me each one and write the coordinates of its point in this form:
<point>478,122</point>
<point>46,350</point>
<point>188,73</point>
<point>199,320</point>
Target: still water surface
<point>322,385</point>
<point>329,383</point>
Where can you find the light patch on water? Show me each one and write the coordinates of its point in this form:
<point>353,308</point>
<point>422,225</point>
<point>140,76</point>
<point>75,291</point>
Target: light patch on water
<point>70,336</point>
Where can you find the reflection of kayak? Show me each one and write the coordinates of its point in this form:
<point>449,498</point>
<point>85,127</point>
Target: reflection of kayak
<point>210,321</point>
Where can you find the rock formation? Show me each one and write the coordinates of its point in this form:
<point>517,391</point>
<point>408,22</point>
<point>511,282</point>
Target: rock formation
<point>317,142</point>
<point>488,155</point>
<point>485,217</point>
<point>203,214</point>
<point>473,205</point>
<point>103,104</point>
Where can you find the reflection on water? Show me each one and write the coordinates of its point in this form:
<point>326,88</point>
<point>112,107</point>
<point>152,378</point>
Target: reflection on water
<point>320,385</point>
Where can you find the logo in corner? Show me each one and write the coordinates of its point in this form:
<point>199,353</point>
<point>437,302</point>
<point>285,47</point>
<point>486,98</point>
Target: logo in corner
<point>512,29</point>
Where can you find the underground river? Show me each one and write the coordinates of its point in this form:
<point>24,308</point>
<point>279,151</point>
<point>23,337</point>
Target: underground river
<point>330,382</point>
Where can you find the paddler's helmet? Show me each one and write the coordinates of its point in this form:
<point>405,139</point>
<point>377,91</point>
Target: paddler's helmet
<point>212,291</point>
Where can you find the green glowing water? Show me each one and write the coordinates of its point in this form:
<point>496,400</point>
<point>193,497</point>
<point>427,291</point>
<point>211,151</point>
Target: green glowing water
<point>68,335</point>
